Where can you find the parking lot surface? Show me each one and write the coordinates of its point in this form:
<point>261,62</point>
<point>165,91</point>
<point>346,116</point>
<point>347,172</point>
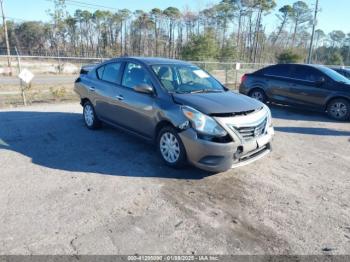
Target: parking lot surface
<point>68,190</point>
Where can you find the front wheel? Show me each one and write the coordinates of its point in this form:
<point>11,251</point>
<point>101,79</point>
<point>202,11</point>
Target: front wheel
<point>171,148</point>
<point>339,109</point>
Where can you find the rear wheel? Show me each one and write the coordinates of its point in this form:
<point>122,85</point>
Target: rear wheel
<point>90,118</point>
<point>339,109</point>
<point>258,94</point>
<point>171,148</point>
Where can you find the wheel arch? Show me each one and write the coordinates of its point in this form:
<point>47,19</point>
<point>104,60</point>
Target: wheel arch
<point>257,87</point>
<point>163,123</point>
<point>84,100</point>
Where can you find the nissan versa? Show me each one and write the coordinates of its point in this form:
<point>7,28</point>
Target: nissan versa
<point>188,114</point>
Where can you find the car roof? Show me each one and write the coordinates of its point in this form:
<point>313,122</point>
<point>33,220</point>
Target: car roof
<point>316,66</point>
<point>308,65</point>
<point>340,69</point>
<point>153,60</point>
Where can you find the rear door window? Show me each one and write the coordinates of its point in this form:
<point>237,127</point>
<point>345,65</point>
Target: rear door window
<point>110,73</point>
<point>307,74</point>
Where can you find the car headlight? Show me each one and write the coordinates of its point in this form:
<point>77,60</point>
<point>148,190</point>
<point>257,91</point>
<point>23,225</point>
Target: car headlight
<point>202,123</point>
<point>269,116</point>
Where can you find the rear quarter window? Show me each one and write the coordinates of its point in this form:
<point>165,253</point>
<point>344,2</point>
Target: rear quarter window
<point>99,72</point>
<point>347,73</point>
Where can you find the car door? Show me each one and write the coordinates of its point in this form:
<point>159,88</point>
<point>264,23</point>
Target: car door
<point>306,90</point>
<point>107,91</point>
<point>278,81</point>
<point>137,110</point>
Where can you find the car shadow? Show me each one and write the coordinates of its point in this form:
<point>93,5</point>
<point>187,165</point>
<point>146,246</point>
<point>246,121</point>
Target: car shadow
<point>312,131</point>
<point>294,113</point>
<point>291,113</point>
<point>61,141</point>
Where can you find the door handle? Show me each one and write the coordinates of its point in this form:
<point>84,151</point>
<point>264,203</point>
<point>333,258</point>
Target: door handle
<point>119,97</point>
<point>92,89</point>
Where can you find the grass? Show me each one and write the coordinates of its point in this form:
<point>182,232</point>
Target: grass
<point>38,95</point>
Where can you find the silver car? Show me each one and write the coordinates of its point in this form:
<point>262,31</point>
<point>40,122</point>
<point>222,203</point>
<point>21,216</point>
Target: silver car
<point>181,108</point>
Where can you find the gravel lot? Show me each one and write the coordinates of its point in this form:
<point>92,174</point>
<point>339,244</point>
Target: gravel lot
<point>69,190</point>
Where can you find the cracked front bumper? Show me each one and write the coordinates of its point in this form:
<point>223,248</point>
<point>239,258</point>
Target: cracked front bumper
<point>220,157</point>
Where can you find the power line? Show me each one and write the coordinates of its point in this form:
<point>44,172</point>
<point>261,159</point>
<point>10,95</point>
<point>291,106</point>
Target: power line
<point>86,5</point>
<point>91,4</point>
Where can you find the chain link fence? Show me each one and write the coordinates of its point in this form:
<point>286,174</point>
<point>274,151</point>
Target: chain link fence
<point>54,76</point>
<point>227,73</point>
<point>43,65</point>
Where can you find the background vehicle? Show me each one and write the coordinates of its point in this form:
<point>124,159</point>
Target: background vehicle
<point>306,86</point>
<point>186,112</point>
<point>343,71</point>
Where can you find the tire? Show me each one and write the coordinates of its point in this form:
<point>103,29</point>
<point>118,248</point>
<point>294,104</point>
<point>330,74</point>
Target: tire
<point>258,94</point>
<point>90,119</point>
<point>168,139</point>
<point>339,109</point>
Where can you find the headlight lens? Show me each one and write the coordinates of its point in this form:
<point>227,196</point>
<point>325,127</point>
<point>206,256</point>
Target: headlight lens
<point>269,116</point>
<point>203,123</point>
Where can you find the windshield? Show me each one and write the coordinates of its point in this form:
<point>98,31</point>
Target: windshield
<point>334,75</point>
<point>186,79</point>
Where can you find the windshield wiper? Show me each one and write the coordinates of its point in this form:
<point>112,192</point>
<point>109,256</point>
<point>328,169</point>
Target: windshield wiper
<point>199,91</point>
<point>205,91</point>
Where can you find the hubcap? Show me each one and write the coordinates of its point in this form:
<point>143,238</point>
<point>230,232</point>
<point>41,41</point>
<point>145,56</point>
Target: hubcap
<point>338,110</point>
<point>169,147</point>
<point>89,115</point>
<point>257,95</point>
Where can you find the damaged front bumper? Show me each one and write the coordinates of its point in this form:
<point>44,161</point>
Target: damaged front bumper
<point>251,138</point>
<point>220,157</point>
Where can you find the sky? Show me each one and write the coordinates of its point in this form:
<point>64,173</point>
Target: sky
<point>334,13</point>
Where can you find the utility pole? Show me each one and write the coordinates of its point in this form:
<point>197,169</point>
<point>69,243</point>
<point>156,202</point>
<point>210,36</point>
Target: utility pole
<point>6,38</point>
<point>309,59</point>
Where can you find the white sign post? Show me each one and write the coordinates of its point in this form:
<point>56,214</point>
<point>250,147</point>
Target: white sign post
<point>26,77</point>
<point>238,67</point>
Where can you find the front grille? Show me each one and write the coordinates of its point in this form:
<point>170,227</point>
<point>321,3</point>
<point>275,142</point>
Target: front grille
<point>251,132</point>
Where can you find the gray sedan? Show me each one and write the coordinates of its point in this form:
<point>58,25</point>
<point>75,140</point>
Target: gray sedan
<point>188,114</point>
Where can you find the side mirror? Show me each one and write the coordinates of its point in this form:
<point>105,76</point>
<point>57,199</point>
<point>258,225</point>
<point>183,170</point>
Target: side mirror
<point>320,81</point>
<point>144,89</point>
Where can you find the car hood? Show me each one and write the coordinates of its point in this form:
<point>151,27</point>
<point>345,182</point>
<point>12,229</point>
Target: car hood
<point>218,103</point>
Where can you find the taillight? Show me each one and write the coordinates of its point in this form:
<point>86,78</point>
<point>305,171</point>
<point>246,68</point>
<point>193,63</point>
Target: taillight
<point>244,77</point>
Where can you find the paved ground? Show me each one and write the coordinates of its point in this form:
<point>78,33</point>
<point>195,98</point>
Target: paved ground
<point>68,190</point>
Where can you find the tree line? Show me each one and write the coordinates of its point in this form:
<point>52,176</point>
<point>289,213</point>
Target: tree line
<point>231,30</point>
